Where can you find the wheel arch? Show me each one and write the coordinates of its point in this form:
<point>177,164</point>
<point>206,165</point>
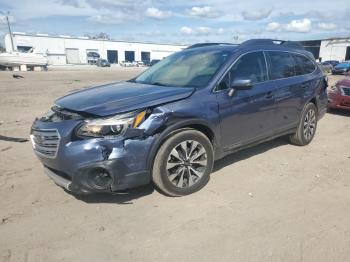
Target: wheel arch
<point>196,124</point>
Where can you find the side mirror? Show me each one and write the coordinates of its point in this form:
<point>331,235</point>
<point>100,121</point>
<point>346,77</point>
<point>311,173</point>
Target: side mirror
<point>240,84</point>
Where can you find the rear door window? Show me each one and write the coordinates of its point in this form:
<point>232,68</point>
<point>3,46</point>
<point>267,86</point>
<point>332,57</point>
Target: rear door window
<point>281,65</point>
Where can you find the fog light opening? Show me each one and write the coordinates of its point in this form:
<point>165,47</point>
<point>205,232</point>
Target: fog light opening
<point>100,179</point>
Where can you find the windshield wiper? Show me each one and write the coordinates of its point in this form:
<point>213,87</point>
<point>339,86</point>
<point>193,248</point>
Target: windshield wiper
<point>158,84</point>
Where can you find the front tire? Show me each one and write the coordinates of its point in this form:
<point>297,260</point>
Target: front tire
<point>307,126</point>
<point>183,163</point>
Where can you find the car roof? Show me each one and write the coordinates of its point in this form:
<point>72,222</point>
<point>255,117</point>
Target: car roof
<point>255,44</point>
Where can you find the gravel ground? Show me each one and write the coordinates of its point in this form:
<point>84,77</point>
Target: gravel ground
<point>273,202</point>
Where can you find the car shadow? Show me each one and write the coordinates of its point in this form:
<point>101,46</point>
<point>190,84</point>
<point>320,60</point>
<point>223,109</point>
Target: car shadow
<point>248,152</point>
<point>128,196</point>
<point>125,197</point>
<point>339,112</point>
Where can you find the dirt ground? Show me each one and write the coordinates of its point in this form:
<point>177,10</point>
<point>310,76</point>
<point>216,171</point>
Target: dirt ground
<point>273,202</point>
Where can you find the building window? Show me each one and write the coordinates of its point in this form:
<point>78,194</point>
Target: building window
<point>112,56</point>
<point>130,56</point>
<point>146,57</point>
<point>24,49</point>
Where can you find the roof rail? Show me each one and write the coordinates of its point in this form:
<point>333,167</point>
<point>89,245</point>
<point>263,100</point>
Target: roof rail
<point>207,44</point>
<point>291,44</point>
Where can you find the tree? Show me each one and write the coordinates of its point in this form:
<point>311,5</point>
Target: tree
<point>101,35</point>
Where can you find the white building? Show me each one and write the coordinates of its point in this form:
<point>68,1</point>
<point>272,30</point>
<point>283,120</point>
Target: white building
<point>335,49</point>
<point>329,49</point>
<point>63,49</point>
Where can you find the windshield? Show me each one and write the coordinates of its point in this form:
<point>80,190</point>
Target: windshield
<point>190,68</point>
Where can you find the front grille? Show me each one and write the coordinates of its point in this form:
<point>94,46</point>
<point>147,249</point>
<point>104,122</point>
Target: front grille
<point>346,91</point>
<point>45,142</point>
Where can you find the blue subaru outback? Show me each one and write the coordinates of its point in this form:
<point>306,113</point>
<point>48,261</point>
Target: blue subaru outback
<point>170,124</point>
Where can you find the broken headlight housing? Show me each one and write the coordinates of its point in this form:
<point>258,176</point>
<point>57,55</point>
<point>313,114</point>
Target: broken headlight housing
<point>110,127</point>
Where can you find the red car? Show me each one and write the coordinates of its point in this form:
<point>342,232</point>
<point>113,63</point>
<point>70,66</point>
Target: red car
<point>339,96</point>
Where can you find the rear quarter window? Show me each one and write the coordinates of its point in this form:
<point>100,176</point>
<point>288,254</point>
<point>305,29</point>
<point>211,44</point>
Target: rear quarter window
<point>303,65</point>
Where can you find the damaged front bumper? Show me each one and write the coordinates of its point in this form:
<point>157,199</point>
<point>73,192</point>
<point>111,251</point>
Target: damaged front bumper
<point>91,165</point>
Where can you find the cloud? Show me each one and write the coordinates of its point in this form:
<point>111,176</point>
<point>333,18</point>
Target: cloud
<point>155,13</point>
<point>110,19</point>
<point>297,26</point>
<point>256,15</point>
<point>273,26</point>
<point>3,21</point>
<point>201,31</point>
<point>186,30</point>
<point>205,11</point>
<point>327,26</point>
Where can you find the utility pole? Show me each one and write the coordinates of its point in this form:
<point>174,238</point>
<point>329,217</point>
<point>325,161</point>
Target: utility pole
<point>9,27</point>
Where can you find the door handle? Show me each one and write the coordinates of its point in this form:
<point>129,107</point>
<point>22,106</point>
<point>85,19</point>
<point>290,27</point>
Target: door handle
<point>269,95</point>
<point>304,85</point>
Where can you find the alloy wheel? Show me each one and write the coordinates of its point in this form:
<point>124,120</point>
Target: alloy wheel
<point>309,124</point>
<point>186,164</point>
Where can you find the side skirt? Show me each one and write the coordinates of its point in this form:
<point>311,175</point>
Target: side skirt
<point>248,145</point>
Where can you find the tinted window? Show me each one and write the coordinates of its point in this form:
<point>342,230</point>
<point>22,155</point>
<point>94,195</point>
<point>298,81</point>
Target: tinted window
<point>303,65</point>
<point>251,66</point>
<point>281,65</point>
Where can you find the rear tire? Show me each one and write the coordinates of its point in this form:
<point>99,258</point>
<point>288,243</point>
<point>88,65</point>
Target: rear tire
<point>307,126</point>
<point>183,163</point>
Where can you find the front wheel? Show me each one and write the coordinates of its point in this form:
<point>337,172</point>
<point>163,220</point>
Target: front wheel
<point>307,127</point>
<point>183,163</point>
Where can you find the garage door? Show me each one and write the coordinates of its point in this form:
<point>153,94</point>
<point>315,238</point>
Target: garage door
<point>72,55</point>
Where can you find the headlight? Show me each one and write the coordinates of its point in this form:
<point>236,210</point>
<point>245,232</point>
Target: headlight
<point>111,127</point>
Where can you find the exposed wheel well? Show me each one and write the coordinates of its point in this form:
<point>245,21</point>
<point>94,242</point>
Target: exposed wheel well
<point>314,101</point>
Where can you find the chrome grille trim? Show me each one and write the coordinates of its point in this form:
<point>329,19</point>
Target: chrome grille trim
<point>45,142</point>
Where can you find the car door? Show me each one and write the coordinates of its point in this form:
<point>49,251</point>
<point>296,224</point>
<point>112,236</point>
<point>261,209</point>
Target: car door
<point>246,116</point>
<point>289,88</point>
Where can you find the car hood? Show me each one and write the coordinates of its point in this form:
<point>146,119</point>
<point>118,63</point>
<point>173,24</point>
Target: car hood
<point>121,97</point>
<point>344,82</point>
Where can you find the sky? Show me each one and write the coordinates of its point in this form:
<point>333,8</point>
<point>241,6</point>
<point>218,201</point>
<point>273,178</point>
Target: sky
<point>183,22</point>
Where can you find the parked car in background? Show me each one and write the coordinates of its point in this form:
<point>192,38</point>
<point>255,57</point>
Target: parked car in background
<point>154,61</point>
<point>170,124</point>
<point>146,62</point>
<point>341,68</point>
<point>92,57</point>
<point>332,62</point>
<point>103,63</point>
<point>126,64</point>
<point>326,67</point>
<point>140,63</point>
<point>339,95</point>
